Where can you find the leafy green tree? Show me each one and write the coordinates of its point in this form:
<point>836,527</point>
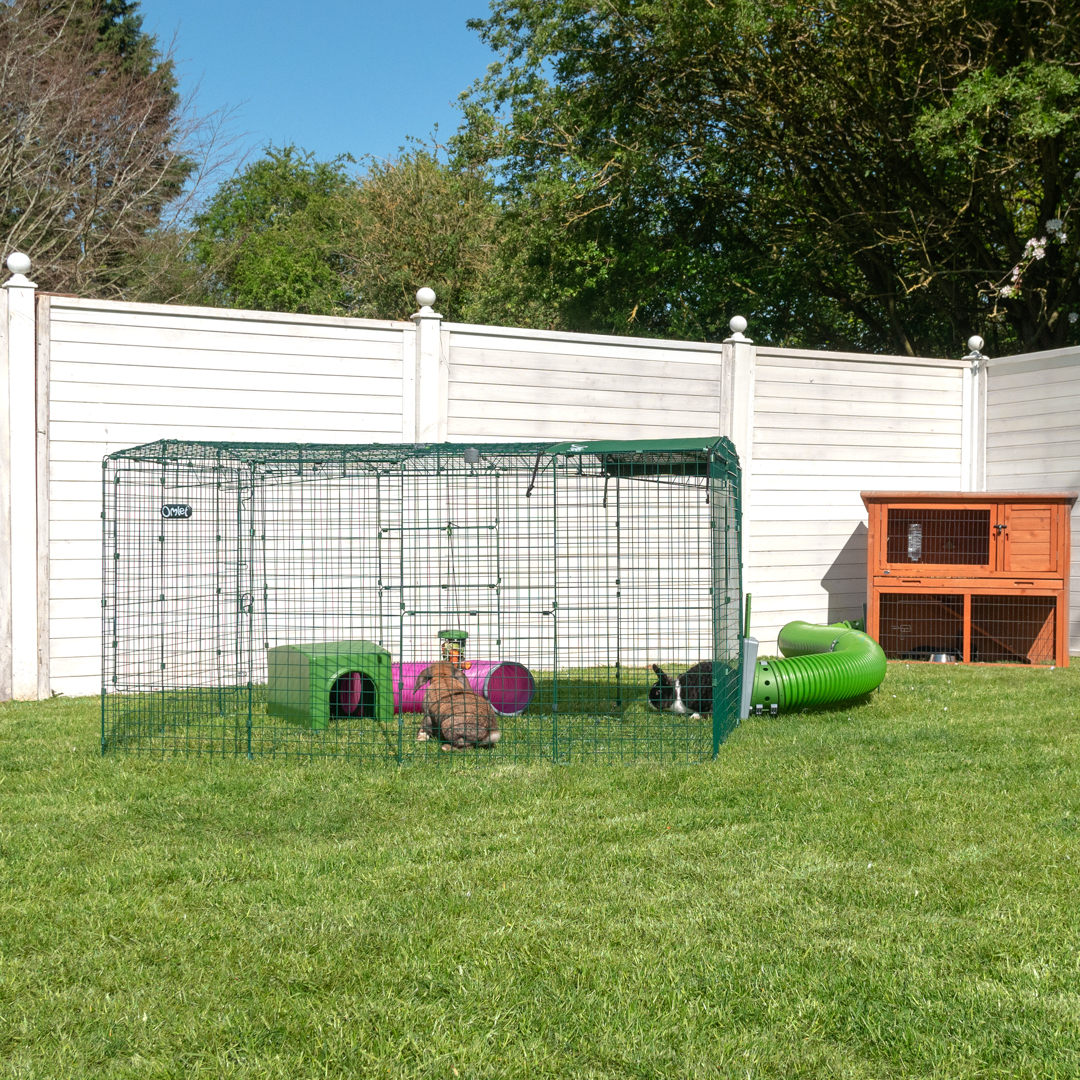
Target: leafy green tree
<point>291,233</point>
<point>273,239</point>
<point>420,221</point>
<point>93,143</point>
<point>889,175</point>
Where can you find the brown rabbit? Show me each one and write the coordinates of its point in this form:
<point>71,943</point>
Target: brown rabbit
<point>446,680</point>
<point>460,717</point>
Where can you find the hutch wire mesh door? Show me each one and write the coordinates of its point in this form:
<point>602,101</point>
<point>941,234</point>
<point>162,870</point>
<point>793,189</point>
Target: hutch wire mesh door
<point>291,599</point>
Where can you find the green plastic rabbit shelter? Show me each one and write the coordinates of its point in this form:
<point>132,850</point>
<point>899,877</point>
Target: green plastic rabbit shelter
<point>330,680</point>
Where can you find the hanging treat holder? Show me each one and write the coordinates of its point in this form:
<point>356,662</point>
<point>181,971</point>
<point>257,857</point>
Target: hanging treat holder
<point>452,645</point>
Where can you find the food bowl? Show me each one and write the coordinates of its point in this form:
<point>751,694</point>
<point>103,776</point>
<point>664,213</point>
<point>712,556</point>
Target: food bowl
<point>943,658</point>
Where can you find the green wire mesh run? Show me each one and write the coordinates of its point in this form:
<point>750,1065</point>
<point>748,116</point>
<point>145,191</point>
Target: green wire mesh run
<point>286,599</point>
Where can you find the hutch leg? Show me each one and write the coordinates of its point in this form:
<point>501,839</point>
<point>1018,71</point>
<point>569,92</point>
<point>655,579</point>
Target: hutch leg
<point>1061,633</point>
<point>873,604</point>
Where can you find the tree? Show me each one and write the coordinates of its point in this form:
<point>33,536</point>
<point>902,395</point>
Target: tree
<point>890,174</point>
<point>420,221</point>
<point>273,237</point>
<point>290,233</point>
<point>92,141</point>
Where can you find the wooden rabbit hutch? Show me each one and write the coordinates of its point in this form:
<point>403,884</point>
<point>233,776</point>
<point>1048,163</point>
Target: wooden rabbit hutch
<point>969,576</point>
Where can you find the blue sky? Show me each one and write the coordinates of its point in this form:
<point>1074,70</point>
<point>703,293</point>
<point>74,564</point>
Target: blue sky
<point>331,76</point>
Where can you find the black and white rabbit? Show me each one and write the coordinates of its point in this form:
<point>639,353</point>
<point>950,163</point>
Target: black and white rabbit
<point>689,694</point>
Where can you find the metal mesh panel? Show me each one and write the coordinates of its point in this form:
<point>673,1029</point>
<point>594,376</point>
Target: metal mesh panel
<point>1004,629</point>
<point>951,536</point>
<point>1013,629</point>
<point>287,599</point>
<point>921,627</point>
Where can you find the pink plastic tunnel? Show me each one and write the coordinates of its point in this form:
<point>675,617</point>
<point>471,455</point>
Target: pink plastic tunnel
<point>507,685</point>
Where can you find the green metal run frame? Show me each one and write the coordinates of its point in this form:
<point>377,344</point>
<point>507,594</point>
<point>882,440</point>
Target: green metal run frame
<point>561,573</point>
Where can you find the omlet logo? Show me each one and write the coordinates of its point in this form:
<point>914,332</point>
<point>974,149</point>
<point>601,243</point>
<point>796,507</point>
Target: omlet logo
<point>176,510</point>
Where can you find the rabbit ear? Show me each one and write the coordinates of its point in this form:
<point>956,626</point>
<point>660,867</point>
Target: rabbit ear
<point>422,678</point>
<point>665,680</point>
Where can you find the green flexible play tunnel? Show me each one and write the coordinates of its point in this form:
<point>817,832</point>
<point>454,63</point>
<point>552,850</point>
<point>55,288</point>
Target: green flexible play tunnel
<point>822,664</point>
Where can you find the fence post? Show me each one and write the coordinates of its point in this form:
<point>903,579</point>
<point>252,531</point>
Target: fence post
<point>738,361</point>
<point>43,383</point>
<point>5,508</point>
<point>738,370</point>
<point>432,383</point>
<point>973,419</point>
<point>22,571</point>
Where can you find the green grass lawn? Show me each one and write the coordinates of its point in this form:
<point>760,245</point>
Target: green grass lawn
<point>880,891</point>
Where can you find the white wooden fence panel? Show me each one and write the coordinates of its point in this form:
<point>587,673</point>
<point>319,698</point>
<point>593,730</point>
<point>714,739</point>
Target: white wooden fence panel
<point>176,318</point>
<point>827,426</point>
<point>1025,416</point>
<point>893,468</point>
<point>553,342</point>
<point>1039,464</point>
<point>1033,437</point>
<point>481,428</point>
<point>508,385</point>
<point>118,377</point>
<point>573,380</point>
<point>126,374</point>
<point>825,434</point>
<point>243,426</point>
<point>572,398</point>
<point>258,414</point>
<point>840,407</point>
<point>88,585</point>
<point>189,356</point>
<point>609,419</point>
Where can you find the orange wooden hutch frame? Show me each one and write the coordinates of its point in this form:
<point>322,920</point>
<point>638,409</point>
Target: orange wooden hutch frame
<point>971,545</point>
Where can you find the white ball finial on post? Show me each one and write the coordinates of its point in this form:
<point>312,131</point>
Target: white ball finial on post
<point>19,265</point>
<point>738,324</point>
<point>425,298</point>
<point>975,345</point>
